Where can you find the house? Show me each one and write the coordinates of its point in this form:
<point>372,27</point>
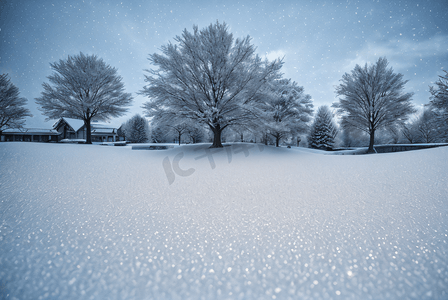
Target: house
<point>74,129</point>
<point>29,135</point>
<point>63,129</point>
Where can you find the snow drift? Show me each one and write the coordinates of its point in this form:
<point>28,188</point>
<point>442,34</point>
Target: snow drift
<point>243,222</point>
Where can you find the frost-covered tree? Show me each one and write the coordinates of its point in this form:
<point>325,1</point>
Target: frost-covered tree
<point>136,129</point>
<point>426,127</point>
<point>195,133</point>
<point>159,134</point>
<point>323,131</point>
<point>388,135</point>
<point>239,133</point>
<point>373,98</point>
<point>353,137</point>
<point>12,110</point>
<point>121,131</point>
<point>409,132</point>
<point>208,77</point>
<point>83,87</point>
<point>439,103</point>
<point>179,129</point>
<point>287,110</point>
<point>173,125</point>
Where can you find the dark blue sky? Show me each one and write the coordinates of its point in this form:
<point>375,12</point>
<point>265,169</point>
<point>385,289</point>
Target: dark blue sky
<point>320,40</point>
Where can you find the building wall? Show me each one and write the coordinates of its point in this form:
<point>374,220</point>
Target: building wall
<point>29,138</point>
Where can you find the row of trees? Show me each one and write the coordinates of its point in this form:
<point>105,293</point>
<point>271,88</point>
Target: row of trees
<point>209,80</point>
<point>138,130</point>
<point>373,101</point>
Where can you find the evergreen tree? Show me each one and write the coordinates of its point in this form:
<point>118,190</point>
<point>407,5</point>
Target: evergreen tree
<point>323,130</point>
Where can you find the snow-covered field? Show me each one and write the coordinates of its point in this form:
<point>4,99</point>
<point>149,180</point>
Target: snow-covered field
<point>246,222</point>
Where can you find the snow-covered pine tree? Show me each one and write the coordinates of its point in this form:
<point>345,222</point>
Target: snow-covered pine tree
<point>137,130</point>
<point>323,130</point>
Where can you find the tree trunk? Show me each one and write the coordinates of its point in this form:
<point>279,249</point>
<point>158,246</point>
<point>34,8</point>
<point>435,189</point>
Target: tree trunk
<point>180,135</point>
<point>277,140</point>
<point>372,141</point>
<point>216,137</point>
<point>88,131</point>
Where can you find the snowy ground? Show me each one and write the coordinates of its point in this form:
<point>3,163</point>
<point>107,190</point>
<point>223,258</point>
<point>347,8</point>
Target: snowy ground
<point>247,222</point>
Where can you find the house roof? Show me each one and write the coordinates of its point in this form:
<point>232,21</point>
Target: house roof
<point>103,130</point>
<point>75,124</point>
<point>96,125</point>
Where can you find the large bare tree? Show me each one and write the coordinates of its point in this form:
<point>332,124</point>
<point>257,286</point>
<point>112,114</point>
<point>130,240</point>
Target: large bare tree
<point>210,78</point>
<point>373,98</point>
<point>84,87</point>
<point>12,110</point>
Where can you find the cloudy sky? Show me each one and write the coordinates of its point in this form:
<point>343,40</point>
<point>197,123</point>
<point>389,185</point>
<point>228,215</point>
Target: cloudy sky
<point>319,40</point>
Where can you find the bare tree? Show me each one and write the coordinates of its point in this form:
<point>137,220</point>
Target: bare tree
<point>409,132</point>
<point>210,78</point>
<point>373,98</point>
<point>426,126</point>
<point>179,129</point>
<point>12,112</point>
<point>84,88</point>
